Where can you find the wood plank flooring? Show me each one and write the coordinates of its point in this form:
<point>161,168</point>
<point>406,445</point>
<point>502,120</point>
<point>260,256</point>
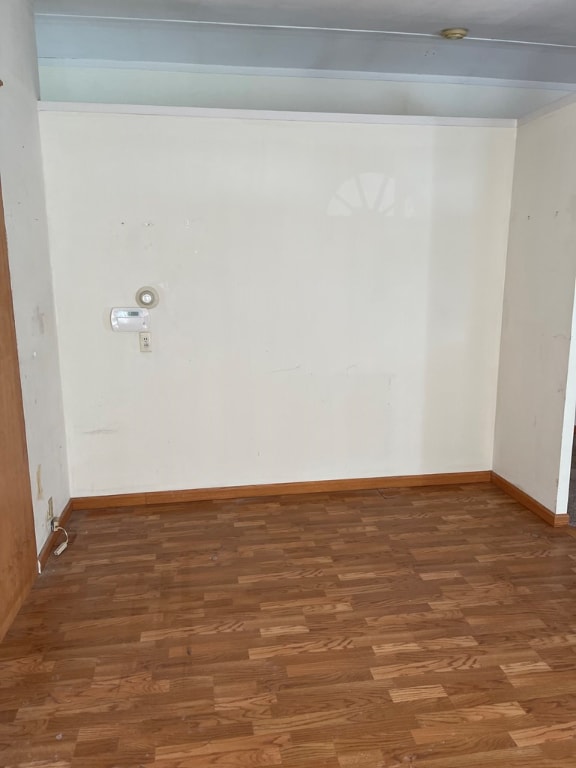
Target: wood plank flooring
<point>422,628</point>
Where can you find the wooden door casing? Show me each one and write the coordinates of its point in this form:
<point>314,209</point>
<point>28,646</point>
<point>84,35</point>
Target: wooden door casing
<point>17,540</point>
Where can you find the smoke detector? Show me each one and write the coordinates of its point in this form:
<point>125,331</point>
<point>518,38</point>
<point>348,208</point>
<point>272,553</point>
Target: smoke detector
<point>455,33</point>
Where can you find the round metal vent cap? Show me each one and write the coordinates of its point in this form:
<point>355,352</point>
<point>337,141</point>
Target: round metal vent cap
<point>147,297</point>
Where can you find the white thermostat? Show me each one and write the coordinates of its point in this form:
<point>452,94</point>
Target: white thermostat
<point>131,319</point>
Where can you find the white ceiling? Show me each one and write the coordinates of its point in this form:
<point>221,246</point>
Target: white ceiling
<point>542,21</point>
<point>513,43</point>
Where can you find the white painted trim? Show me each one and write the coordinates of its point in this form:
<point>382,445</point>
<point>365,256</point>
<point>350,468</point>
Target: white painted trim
<point>219,69</point>
<point>548,109</point>
<point>258,114</point>
<point>565,468</point>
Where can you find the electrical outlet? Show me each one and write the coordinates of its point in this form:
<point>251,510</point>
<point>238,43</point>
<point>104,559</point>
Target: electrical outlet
<point>145,341</point>
<point>55,523</point>
<point>50,513</point>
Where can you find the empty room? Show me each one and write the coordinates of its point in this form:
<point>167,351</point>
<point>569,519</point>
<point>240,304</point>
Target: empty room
<point>287,384</point>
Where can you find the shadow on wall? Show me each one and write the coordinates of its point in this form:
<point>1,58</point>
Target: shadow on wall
<point>446,302</point>
<point>444,290</point>
<point>464,306</point>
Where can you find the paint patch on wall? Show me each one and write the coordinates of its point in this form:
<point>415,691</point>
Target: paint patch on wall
<point>39,488</point>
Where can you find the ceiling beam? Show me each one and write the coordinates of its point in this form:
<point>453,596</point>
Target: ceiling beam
<point>232,45</point>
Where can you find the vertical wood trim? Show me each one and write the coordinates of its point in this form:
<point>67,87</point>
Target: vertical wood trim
<point>17,540</point>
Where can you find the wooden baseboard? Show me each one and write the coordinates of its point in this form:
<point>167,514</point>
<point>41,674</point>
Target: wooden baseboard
<point>52,540</point>
<point>557,521</point>
<point>109,501</point>
<point>277,489</point>
<point>285,489</point>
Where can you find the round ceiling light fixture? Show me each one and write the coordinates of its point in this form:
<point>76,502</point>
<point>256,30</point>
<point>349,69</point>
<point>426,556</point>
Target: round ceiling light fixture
<point>147,297</point>
<point>455,33</point>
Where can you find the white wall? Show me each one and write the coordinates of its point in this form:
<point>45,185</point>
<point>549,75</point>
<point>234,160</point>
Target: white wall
<point>23,191</point>
<point>330,297</point>
<point>536,397</point>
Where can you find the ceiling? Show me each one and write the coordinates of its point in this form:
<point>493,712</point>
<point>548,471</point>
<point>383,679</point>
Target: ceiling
<point>512,43</point>
<point>542,21</point>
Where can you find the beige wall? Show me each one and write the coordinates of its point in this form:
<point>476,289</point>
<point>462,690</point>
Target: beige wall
<point>537,385</point>
<point>330,297</point>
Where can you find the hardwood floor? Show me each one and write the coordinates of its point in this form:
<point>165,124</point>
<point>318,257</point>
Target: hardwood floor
<point>422,628</point>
